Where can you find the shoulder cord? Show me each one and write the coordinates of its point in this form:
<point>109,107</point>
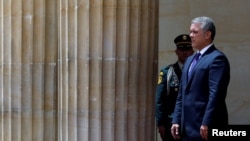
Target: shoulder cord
<point>169,75</point>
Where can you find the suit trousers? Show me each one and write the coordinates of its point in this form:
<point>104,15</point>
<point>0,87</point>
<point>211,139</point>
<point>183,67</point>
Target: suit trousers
<point>186,137</point>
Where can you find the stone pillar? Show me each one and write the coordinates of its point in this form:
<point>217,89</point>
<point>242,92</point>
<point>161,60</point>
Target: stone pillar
<point>78,70</point>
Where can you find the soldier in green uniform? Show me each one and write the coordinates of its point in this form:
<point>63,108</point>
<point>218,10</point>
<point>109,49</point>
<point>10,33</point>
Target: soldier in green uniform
<point>168,85</point>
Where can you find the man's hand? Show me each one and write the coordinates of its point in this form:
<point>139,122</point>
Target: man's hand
<point>161,130</point>
<point>204,132</point>
<point>175,131</point>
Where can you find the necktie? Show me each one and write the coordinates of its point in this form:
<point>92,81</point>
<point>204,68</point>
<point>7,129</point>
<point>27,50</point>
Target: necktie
<point>195,60</point>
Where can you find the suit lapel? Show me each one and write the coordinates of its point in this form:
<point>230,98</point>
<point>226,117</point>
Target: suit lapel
<point>188,63</point>
<point>202,58</point>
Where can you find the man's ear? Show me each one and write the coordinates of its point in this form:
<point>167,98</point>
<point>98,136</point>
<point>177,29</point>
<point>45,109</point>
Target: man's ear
<point>208,34</point>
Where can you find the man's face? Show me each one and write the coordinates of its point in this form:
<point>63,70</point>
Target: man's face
<point>183,53</point>
<point>197,36</point>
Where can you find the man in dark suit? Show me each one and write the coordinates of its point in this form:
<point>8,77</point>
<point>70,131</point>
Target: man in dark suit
<point>168,85</point>
<point>200,104</point>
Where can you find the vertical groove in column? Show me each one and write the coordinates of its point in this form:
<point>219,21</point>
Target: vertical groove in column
<point>83,17</point>
<point>72,70</point>
<point>152,71</point>
<point>27,59</point>
<point>16,60</point>
<point>63,72</point>
<point>121,75</point>
<point>6,70</point>
<point>108,70</point>
<point>133,67</point>
<point>95,69</point>
<point>1,72</point>
<point>143,69</point>
<point>60,71</point>
<point>38,71</point>
<point>50,71</point>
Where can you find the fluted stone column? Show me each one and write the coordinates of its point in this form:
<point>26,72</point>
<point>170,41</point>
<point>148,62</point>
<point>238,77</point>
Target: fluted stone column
<point>78,70</point>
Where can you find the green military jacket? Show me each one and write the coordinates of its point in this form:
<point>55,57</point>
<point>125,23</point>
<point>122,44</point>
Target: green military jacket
<point>166,93</point>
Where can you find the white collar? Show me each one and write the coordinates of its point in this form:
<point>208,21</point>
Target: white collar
<point>205,49</point>
<point>180,65</point>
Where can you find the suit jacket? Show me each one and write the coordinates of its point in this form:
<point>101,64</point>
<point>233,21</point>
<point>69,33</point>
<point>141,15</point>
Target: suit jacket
<point>201,98</point>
